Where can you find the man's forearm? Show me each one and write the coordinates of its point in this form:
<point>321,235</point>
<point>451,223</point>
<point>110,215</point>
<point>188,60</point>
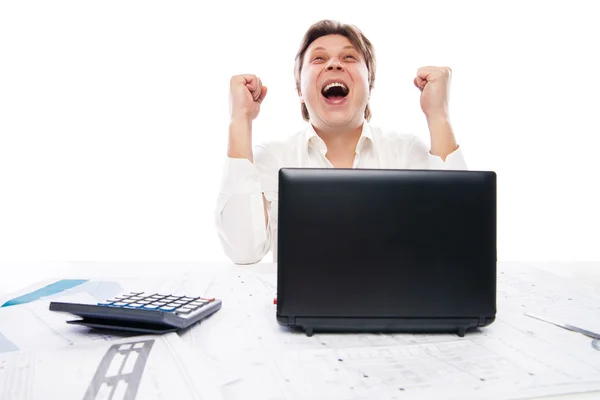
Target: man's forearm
<point>443,141</point>
<point>240,139</point>
<point>240,146</point>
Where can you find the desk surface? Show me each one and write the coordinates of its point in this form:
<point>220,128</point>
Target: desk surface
<point>516,357</point>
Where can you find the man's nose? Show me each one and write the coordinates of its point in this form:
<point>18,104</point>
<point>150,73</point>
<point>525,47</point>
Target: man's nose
<point>335,63</point>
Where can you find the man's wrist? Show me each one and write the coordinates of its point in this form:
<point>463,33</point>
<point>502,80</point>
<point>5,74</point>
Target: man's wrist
<point>438,119</point>
<point>241,121</point>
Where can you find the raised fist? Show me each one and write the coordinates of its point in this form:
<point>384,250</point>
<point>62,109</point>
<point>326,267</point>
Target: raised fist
<point>246,95</point>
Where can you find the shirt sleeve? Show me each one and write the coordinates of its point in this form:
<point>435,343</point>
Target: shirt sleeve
<point>239,214</point>
<point>421,158</point>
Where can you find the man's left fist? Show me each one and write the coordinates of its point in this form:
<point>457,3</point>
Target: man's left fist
<point>434,84</point>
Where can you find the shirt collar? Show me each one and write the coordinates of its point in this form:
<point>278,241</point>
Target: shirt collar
<point>310,136</point>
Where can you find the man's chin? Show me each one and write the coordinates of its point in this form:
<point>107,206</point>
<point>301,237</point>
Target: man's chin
<point>338,118</point>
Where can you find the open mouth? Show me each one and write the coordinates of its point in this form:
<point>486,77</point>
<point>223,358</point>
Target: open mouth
<point>335,91</point>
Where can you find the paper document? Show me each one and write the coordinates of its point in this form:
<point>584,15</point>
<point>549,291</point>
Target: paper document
<point>517,357</point>
<point>144,367</point>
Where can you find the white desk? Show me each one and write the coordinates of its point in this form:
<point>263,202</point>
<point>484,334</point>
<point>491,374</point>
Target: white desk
<point>515,356</point>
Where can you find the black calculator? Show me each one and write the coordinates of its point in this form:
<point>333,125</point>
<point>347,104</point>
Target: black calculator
<point>141,312</point>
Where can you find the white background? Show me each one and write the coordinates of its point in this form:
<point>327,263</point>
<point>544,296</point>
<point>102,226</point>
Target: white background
<point>114,115</point>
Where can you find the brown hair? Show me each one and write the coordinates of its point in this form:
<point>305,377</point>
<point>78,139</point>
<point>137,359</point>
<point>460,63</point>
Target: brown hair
<point>354,35</point>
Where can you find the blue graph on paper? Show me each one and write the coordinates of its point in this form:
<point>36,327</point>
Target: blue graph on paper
<point>49,290</point>
<point>99,290</point>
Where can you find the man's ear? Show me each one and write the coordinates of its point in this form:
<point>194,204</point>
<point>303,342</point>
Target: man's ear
<point>300,96</point>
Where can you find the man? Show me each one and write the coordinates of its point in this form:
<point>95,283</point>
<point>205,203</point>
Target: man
<point>335,72</point>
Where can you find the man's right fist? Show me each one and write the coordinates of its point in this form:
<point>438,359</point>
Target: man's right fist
<point>246,95</point>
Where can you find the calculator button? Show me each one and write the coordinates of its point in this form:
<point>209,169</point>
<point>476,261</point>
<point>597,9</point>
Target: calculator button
<point>134,305</point>
<point>150,307</point>
<point>167,308</point>
<point>199,302</point>
<point>105,303</point>
<point>119,304</point>
<point>184,310</point>
<point>209,300</point>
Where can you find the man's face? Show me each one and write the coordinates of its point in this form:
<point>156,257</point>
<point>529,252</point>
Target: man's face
<point>334,83</point>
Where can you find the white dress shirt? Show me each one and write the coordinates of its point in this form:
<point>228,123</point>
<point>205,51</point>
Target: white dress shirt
<point>240,214</point>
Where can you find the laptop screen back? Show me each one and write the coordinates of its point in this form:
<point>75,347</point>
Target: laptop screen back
<point>386,243</point>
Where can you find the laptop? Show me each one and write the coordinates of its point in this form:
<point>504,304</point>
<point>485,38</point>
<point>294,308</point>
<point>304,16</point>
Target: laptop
<point>372,250</point>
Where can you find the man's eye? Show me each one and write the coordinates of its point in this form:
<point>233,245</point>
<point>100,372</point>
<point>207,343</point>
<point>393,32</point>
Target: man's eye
<point>318,58</point>
<point>350,56</point>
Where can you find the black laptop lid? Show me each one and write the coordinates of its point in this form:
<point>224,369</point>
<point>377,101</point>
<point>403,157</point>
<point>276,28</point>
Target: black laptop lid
<point>386,243</point>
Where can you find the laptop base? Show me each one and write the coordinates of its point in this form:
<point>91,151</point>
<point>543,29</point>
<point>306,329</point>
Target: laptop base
<point>388,325</point>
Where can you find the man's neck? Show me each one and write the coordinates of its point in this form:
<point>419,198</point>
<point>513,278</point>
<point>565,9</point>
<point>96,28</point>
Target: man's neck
<point>340,139</point>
